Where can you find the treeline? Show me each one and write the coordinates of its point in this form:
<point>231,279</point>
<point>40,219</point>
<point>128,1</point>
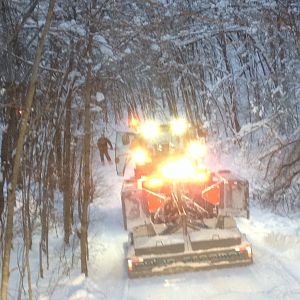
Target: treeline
<point>231,65</point>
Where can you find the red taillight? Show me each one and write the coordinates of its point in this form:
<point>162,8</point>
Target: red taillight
<point>247,249</point>
<point>137,260</point>
<point>134,260</point>
<point>129,264</point>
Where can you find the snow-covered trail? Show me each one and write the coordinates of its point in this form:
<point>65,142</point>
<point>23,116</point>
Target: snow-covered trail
<point>107,277</point>
<point>275,273</point>
<point>270,277</point>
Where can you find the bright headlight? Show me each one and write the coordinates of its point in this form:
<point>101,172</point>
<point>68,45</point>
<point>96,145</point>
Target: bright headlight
<point>202,176</point>
<point>178,127</point>
<point>153,182</point>
<point>150,129</point>
<point>179,169</point>
<point>139,156</point>
<point>197,149</point>
<point>184,169</point>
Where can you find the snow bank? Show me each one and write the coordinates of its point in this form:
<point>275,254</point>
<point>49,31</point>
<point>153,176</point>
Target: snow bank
<point>287,245</point>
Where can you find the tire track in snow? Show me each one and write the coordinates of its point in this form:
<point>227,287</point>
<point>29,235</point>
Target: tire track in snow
<point>283,283</point>
<point>126,288</point>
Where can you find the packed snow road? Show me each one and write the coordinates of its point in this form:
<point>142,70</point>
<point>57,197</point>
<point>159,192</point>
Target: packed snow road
<point>275,273</point>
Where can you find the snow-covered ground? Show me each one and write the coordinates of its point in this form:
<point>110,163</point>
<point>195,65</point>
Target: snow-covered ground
<point>275,273</point>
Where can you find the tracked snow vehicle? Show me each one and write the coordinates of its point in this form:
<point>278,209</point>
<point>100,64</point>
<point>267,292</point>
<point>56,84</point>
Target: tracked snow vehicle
<point>179,214</point>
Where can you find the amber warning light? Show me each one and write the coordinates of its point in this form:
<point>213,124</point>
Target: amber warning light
<point>133,122</point>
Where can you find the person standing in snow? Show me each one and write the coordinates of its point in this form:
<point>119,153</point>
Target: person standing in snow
<point>103,143</point>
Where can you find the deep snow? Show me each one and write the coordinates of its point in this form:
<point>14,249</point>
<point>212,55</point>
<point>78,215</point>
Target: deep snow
<point>275,273</point>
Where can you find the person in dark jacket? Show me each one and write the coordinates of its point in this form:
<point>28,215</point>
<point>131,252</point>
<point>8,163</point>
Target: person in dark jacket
<point>103,143</point>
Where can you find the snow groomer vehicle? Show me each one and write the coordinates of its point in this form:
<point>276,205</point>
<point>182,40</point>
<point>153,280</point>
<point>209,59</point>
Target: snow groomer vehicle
<point>180,215</point>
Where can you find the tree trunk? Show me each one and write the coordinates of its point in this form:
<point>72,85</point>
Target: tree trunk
<point>233,111</point>
<point>19,153</point>
<point>27,242</point>
<point>86,162</point>
<point>1,198</point>
<point>86,180</point>
<point>67,172</point>
<point>58,157</point>
<point>87,150</point>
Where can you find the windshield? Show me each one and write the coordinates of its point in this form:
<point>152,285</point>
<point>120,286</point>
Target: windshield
<point>165,137</point>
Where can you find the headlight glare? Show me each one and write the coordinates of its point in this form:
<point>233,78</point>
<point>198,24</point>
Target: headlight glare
<point>178,127</point>
<point>179,169</point>
<point>150,129</point>
<point>197,150</point>
<point>139,156</point>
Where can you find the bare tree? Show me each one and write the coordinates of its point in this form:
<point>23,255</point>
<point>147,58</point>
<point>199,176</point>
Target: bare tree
<point>19,150</point>
<point>87,149</point>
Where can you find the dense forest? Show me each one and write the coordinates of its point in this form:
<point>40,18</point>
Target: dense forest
<point>68,68</point>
